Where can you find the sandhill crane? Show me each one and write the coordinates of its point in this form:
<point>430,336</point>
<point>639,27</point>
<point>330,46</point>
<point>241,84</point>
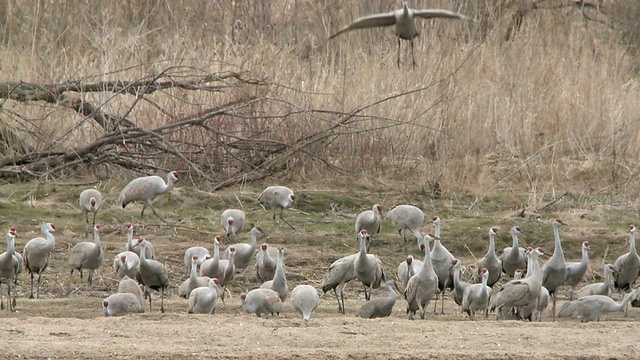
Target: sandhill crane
<point>367,267</point>
<point>441,259</point>
<point>193,281</point>
<point>591,307</point>
<point>458,285</point>
<point>232,221</point>
<point>146,189</point>
<point>202,300</point>
<point>152,274</point>
<point>369,220</point>
<point>90,201</point>
<point>245,252</point>
<point>490,261</point>
<point>8,269</point>
<point>423,285</point>
<point>512,313</point>
<point>265,263</point>
<point>577,270</point>
<point>37,253</point>
<point>532,311</point>
<point>476,297</point>
<point>627,265</point>
<point>340,272</point>
<point>212,267</point>
<point>228,270</point>
<point>198,251</point>
<point>520,293</point>
<point>407,217</point>
<point>404,21</point>
<point>131,244</point>
<point>278,197</point>
<point>279,281</point>
<point>126,264</point>
<point>603,288</point>
<point>121,304</point>
<point>87,255</point>
<point>130,286</point>
<point>380,307</point>
<point>513,257</point>
<point>305,299</point>
<point>554,272</point>
<point>261,301</point>
<point>407,269</point>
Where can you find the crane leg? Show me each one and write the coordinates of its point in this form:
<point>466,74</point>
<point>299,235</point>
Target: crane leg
<point>31,296</point>
<point>412,57</point>
<point>158,215</point>
<point>435,304</point>
<point>285,221</point>
<point>162,298</point>
<point>553,309</point>
<point>442,304</point>
<point>1,297</point>
<point>86,224</point>
<point>398,53</point>
<point>12,300</point>
<point>37,286</point>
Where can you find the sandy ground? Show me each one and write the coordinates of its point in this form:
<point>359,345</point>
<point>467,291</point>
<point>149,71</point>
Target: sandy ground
<point>75,328</point>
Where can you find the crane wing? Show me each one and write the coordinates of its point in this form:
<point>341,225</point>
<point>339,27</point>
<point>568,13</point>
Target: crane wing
<point>439,13</point>
<point>369,21</point>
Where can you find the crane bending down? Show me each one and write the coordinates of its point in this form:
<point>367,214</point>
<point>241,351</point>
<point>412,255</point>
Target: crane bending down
<point>404,21</point>
<point>278,197</point>
<point>146,189</point>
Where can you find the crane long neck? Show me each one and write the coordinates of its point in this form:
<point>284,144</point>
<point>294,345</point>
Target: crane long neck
<point>253,243</point>
<point>216,251</point>
<point>130,238</point>
<point>437,231</point>
<point>632,242</point>
<point>426,265</point>
<point>279,274</point>
<point>363,246</point>
<point>535,267</point>
<point>11,247</point>
<point>143,252</point>
<point>194,267</point>
<point>483,289</point>
<point>51,240</point>
<point>607,276</point>
<point>96,240</point>
<point>585,255</point>
<point>168,186</point>
<point>557,252</point>
<point>456,276</point>
<point>515,243</point>
<point>492,245</point>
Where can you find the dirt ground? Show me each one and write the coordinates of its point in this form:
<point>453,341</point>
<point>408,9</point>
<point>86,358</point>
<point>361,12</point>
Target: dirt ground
<point>74,327</point>
<point>68,322</point>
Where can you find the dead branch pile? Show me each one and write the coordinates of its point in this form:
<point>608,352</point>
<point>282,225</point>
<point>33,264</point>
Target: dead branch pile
<point>222,127</point>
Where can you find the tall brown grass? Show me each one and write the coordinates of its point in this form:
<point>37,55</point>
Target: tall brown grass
<point>541,105</point>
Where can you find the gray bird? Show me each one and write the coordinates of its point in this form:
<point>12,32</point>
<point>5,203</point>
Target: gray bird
<point>404,21</point>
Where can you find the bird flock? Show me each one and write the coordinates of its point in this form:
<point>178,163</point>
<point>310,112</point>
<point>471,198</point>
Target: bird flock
<point>513,284</point>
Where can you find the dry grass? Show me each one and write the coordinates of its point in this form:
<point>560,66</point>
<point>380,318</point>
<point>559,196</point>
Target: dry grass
<point>550,108</point>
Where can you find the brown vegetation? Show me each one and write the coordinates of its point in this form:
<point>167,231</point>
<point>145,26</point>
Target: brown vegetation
<point>536,97</point>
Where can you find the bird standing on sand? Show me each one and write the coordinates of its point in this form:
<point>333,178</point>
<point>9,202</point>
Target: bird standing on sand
<point>404,21</point>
